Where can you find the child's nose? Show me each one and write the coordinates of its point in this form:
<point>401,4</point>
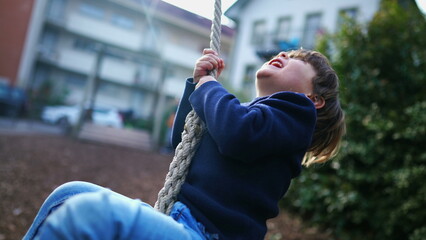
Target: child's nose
<point>283,54</point>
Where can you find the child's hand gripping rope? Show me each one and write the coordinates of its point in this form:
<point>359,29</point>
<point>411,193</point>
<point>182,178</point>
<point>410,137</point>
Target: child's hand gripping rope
<point>204,65</point>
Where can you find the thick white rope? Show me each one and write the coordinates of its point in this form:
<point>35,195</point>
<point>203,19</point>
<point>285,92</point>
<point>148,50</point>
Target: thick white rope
<point>191,135</point>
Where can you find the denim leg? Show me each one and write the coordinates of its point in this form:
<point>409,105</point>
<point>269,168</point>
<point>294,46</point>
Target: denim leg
<point>182,214</point>
<point>55,199</point>
<point>106,215</point>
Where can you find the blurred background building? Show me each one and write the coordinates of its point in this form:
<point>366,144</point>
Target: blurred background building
<point>139,52</point>
<point>266,27</point>
<point>145,49</point>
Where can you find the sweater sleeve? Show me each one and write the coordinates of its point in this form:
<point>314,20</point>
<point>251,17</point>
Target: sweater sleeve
<point>183,109</point>
<point>280,124</point>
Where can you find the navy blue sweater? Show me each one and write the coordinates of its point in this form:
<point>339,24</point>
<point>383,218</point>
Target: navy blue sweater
<point>245,160</point>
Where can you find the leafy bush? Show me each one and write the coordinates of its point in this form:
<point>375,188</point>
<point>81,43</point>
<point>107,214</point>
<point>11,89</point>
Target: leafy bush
<point>46,95</point>
<point>374,189</point>
<point>140,123</point>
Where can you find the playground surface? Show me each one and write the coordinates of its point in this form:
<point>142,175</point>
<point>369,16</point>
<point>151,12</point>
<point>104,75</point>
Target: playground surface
<point>32,165</point>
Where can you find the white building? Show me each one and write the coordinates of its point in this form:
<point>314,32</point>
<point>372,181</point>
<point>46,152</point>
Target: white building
<point>146,49</point>
<point>280,25</point>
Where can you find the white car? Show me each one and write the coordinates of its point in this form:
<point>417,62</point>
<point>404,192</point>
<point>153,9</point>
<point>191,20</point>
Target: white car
<point>68,115</point>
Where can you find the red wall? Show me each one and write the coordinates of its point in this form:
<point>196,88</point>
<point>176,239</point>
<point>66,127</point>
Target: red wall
<point>14,20</point>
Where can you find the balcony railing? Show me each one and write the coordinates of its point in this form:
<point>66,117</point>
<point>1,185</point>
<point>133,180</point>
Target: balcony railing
<point>270,44</point>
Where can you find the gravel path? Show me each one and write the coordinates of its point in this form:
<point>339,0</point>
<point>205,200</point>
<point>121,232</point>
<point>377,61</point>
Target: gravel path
<point>32,165</point>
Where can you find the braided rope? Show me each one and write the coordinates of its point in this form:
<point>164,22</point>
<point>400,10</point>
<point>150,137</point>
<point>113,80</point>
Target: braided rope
<point>191,136</point>
<point>215,31</point>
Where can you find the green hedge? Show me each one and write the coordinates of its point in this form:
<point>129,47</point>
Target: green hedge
<point>375,188</point>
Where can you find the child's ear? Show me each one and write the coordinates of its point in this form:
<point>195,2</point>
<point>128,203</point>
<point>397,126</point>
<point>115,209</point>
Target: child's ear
<point>318,101</point>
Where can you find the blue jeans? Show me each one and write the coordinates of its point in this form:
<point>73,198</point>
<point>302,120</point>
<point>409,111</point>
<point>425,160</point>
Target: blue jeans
<point>81,210</point>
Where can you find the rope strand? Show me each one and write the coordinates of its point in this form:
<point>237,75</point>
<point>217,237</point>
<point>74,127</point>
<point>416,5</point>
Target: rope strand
<point>216,31</point>
<point>191,136</point>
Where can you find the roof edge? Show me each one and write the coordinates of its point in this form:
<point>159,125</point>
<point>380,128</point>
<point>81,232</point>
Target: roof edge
<point>233,12</point>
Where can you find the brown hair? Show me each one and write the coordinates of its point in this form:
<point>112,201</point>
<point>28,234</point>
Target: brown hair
<point>330,126</point>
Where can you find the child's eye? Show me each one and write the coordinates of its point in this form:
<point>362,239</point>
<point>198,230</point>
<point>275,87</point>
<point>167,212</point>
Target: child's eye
<point>299,58</point>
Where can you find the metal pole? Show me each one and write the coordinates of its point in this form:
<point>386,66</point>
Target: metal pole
<point>86,105</point>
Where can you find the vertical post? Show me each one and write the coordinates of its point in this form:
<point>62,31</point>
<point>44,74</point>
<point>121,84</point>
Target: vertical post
<point>89,93</point>
<point>159,109</point>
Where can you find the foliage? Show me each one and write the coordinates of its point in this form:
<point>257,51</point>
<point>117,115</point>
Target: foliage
<point>47,95</point>
<point>140,123</point>
<point>374,189</point>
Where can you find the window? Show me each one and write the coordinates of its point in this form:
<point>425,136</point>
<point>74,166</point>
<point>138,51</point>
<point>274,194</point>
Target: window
<point>139,1</point>
<point>151,38</point>
<point>115,55</point>
<point>50,38</point>
<point>41,74</point>
<point>56,9</point>
<point>85,45</point>
<point>283,29</point>
<point>346,14</point>
<point>49,41</point>
<point>350,12</point>
<point>249,75</point>
<point>148,75</point>
<point>258,32</point>
<point>122,21</point>
<point>75,81</point>
<point>312,28</point>
<point>112,90</point>
<point>92,10</point>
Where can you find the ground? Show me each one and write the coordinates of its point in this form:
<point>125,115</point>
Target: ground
<point>32,165</point>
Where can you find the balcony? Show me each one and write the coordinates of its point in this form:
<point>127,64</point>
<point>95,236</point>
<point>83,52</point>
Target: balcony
<point>269,45</point>
<point>115,70</point>
<point>180,56</point>
<point>104,32</point>
<point>119,71</point>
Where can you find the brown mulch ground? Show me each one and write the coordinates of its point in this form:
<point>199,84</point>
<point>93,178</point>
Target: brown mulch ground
<point>31,166</point>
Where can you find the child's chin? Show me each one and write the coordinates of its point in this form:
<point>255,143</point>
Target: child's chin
<point>264,73</point>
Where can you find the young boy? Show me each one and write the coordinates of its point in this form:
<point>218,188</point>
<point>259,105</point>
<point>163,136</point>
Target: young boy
<point>243,165</point>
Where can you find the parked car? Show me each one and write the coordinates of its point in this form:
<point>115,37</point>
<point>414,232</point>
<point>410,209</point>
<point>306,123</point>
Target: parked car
<point>68,116</point>
<point>13,101</point>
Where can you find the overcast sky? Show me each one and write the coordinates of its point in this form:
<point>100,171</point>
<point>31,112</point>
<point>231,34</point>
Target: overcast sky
<point>205,8</point>
<point>422,5</point>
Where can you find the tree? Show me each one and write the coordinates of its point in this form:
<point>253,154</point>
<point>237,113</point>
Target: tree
<point>375,188</point>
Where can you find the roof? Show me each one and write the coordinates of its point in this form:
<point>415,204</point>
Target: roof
<point>234,11</point>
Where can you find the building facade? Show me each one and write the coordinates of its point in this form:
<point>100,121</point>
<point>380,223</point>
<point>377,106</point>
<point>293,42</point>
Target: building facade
<point>138,51</point>
<point>268,26</point>
<point>14,19</point>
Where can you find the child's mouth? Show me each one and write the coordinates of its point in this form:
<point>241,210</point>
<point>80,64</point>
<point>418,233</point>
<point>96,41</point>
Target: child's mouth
<point>276,63</point>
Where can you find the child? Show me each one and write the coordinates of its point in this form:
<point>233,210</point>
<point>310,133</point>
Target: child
<point>242,168</point>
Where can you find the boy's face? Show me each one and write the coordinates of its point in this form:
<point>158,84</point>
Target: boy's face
<point>284,74</point>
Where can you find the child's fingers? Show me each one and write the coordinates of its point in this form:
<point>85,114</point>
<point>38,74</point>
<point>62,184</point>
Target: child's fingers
<point>206,65</point>
<point>210,55</point>
<point>213,60</point>
<point>209,51</point>
<point>221,67</point>
<point>210,63</point>
<point>203,68</point>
